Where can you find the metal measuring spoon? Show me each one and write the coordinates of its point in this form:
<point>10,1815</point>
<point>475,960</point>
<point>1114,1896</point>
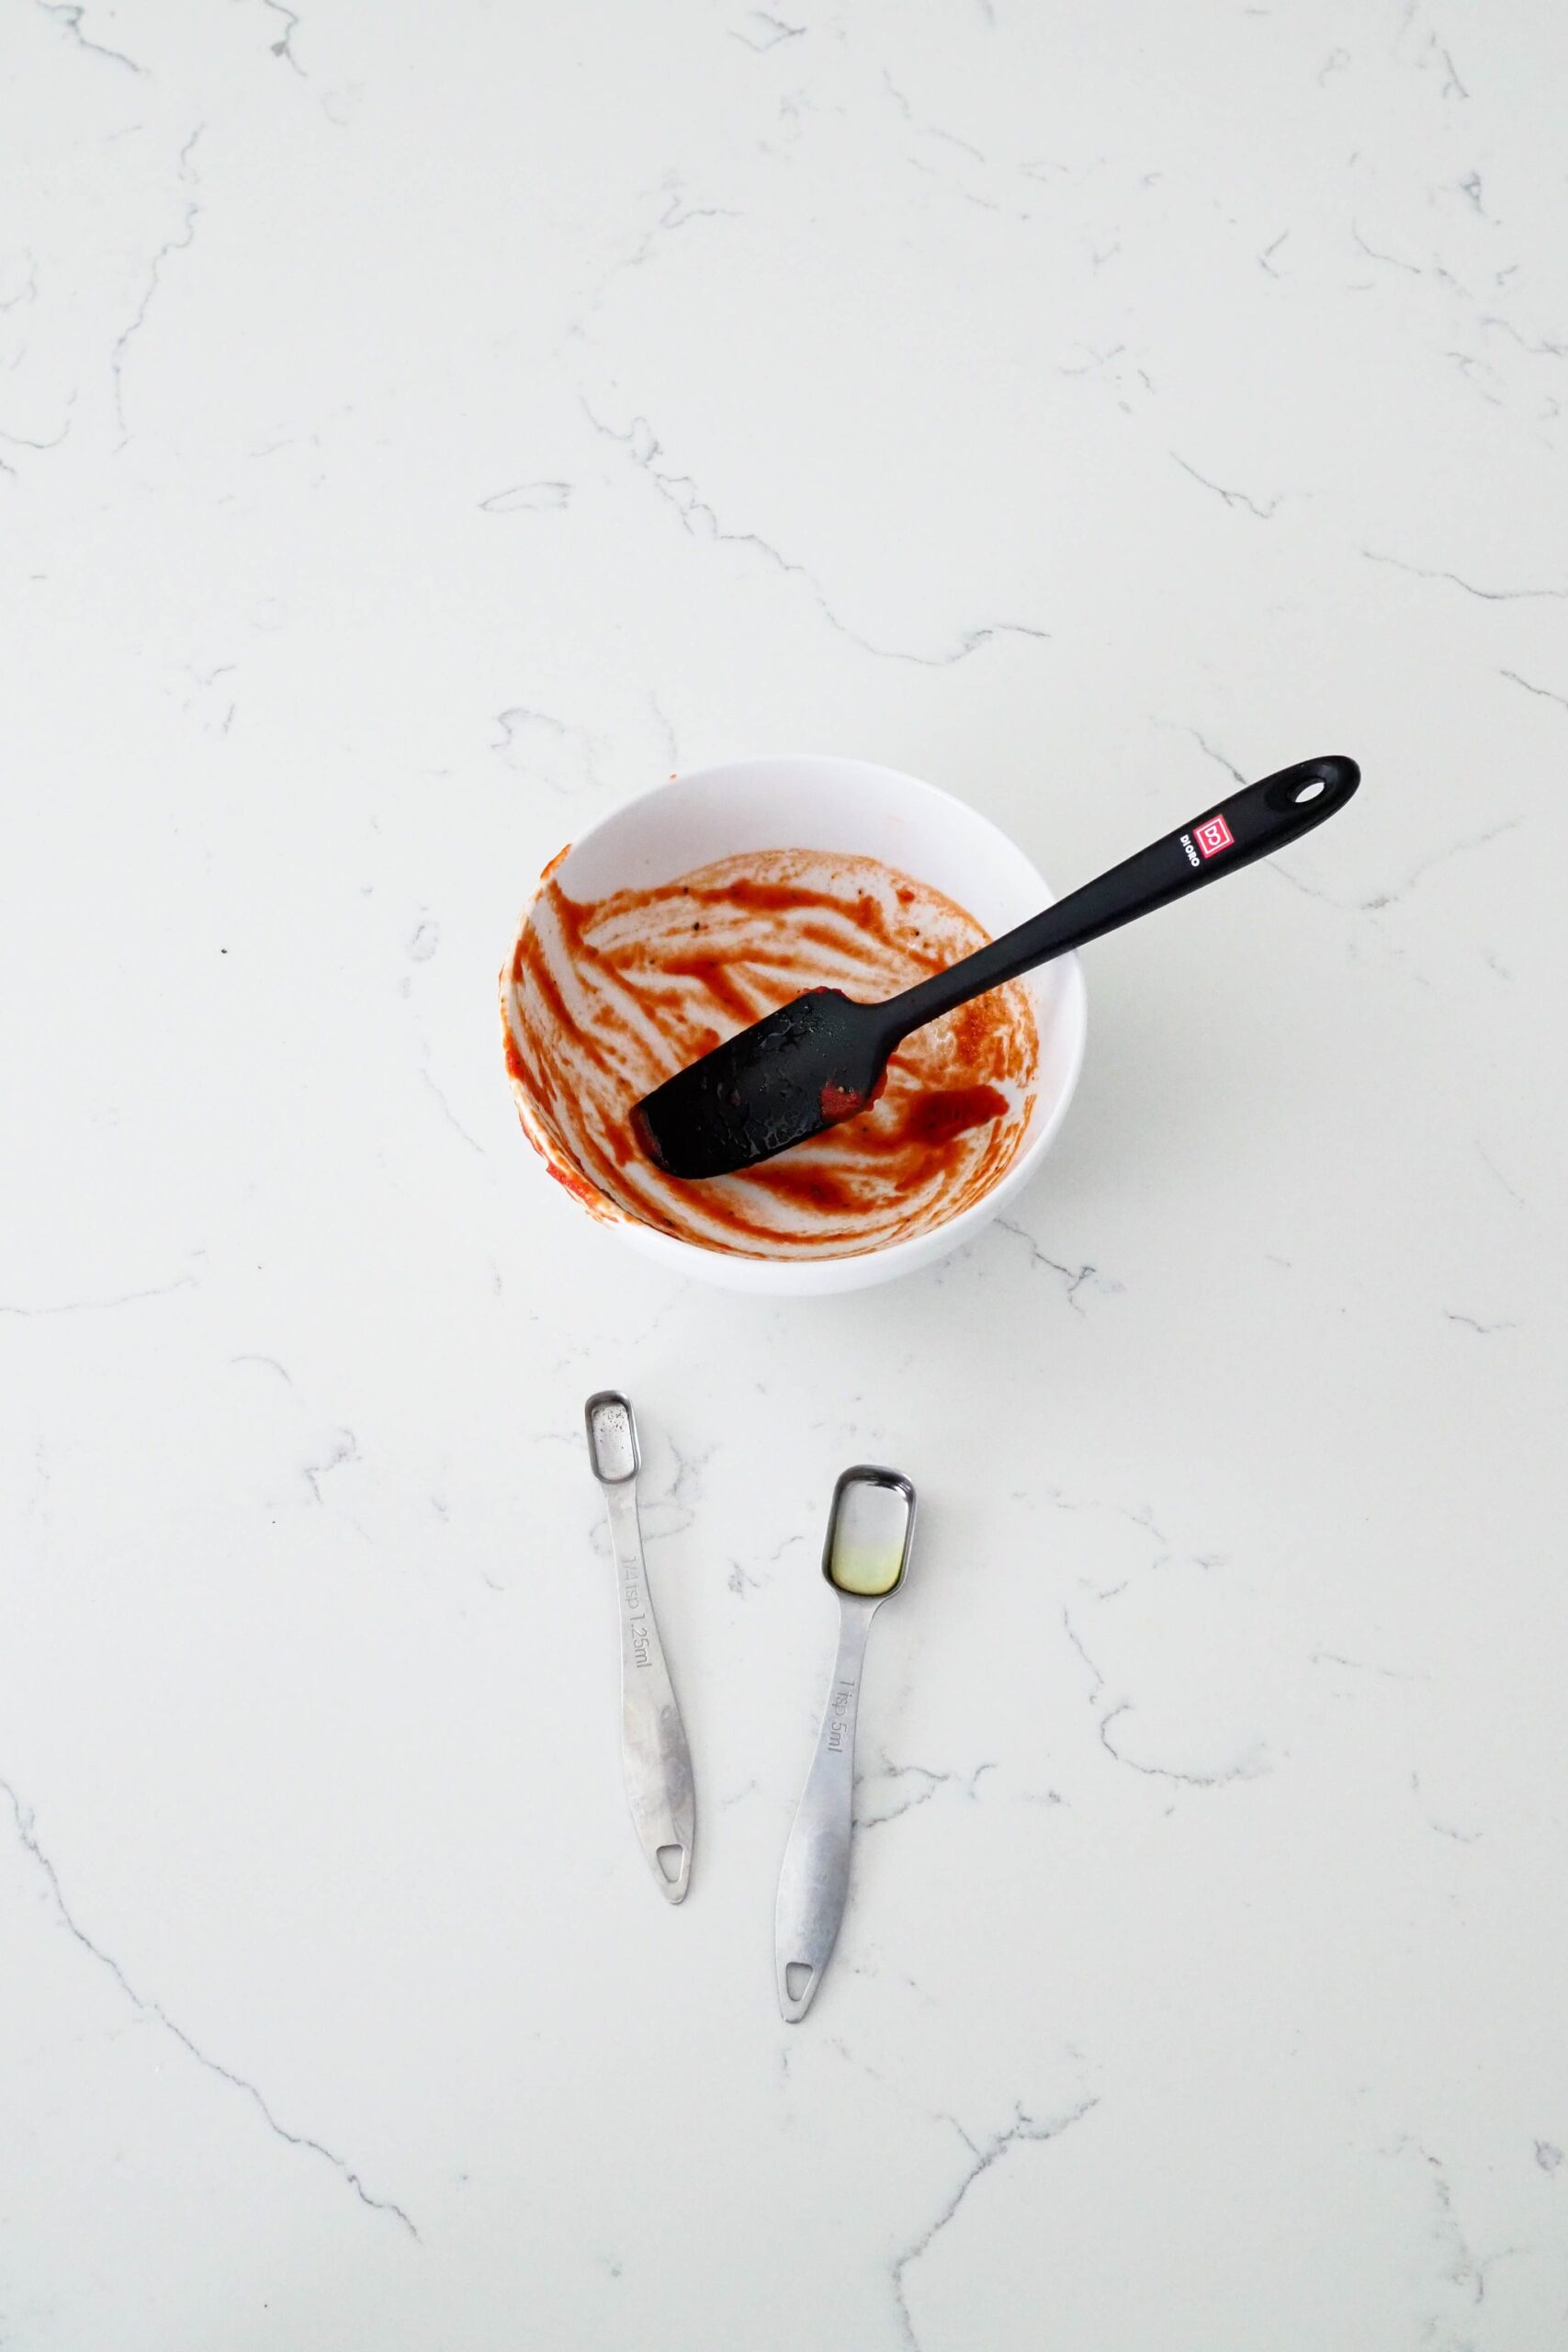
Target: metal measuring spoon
<point>869,1529</point>
<point>655,1758</point>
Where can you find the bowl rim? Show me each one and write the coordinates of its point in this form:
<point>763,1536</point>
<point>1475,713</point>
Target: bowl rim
<point>794,1275</point>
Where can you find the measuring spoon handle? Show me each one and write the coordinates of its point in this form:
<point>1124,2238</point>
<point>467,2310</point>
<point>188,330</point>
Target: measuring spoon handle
<point>813,1881</point>
<point>655,1758</point>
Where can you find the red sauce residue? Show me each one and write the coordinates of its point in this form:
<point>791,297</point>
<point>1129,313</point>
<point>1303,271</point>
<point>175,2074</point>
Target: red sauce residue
<point>720,983</point>
<point>935,1118</point>
<point>560,859</point>
<point>607,999</point>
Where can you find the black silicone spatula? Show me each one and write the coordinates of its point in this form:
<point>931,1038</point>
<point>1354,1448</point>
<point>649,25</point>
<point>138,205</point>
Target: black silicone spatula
<point>822,1058</point>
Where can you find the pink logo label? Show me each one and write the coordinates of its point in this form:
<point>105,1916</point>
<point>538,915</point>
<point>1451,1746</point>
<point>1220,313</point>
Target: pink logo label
<point>1214,837</point>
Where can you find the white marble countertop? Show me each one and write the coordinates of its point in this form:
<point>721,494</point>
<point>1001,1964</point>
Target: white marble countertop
<point>422,428</point>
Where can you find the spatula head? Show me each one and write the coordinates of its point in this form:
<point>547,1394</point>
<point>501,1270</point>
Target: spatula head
<point>819,1059</point>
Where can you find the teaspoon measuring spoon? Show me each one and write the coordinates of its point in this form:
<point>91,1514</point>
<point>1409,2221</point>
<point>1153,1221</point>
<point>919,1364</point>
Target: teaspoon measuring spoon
<point>655,1758</point>
<point>869,1529</point>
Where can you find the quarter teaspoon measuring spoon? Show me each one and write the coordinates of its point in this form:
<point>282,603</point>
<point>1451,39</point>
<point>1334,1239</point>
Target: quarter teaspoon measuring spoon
<point>655,1758</point>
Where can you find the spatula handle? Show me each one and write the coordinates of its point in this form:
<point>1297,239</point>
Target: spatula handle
<point>1254,821</point>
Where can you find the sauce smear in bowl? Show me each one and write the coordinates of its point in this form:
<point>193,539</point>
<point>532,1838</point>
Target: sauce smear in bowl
<point>606,998</point>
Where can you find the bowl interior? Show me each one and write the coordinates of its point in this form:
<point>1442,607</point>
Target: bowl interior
<point>848,807</point>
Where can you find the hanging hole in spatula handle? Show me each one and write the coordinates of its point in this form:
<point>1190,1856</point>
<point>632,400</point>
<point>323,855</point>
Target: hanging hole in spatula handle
<point>1259,819</point>
<point>1322,785</point>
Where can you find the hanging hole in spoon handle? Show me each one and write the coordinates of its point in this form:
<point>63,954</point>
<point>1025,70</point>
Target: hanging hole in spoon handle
<point>797,1976</point>
<point>674,1865</point>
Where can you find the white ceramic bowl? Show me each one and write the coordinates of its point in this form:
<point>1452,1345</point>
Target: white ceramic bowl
<point>850,806</point>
